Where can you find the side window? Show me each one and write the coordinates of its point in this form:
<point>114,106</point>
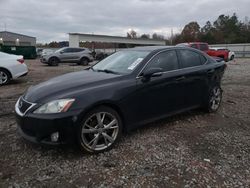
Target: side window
<point>190,58</point>
<point>203,47</point>
<point>67,50</point>
<point>166,60</point>
<point>203,59</point>
<point>78,50</point>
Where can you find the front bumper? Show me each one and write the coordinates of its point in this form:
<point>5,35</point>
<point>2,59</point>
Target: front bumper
<point>38,128</point>
<point>43,60</point>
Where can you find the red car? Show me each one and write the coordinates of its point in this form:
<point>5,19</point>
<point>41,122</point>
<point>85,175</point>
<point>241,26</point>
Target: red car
<point>205,48</point>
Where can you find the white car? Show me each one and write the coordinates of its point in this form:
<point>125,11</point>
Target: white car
<point>11,67</point>
<point>231,55</point>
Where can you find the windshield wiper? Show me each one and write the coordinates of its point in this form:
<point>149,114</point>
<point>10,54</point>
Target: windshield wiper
<point>107,71</point>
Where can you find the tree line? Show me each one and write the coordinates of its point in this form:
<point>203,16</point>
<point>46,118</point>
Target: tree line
<point>225,29</point>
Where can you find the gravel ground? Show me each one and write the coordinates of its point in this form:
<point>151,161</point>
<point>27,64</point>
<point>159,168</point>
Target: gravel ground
<point>194,149</point>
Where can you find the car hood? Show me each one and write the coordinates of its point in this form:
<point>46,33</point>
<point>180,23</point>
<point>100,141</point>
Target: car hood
<point>65,85</point>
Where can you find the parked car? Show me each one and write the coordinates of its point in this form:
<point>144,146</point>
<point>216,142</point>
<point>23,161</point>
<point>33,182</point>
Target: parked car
<point>11,67</point>
<point>81,56</point>
<point>47,51</point>
<point>39,52</point>
<point>224,54</point>
<point>231,54</point>
<point>120,93</point>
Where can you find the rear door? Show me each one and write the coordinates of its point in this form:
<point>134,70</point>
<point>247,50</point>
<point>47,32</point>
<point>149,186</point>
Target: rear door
<point>78,53</point>
<point>194,77</point>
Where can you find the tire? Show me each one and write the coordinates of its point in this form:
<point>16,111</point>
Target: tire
<point>232,57</point>
<point>214,99</point>
<point>54,61</point>
<point>84,61</point>
<point>4,77</point>
<point>99,130</point>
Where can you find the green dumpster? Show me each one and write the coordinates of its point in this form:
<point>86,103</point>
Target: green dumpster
<point>28,52</point>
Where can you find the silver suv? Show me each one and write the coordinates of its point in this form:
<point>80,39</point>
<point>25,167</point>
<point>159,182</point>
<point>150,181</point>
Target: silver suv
<point>81,56</point>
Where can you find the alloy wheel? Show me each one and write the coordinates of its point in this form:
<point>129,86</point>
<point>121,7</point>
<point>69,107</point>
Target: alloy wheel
<point>215,99</point>
<point>100,131</point>
<point>3,77</point>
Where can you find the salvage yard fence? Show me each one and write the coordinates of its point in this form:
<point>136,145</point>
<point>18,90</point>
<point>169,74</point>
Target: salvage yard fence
<point>240,50</point>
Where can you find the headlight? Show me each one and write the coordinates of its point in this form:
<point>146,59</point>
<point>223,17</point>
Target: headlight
<point>56,106</point>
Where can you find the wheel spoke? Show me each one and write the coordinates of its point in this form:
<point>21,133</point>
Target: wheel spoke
<point>86,131</point>
<point>94,141</point>
<point>103,117</point>
<point>105,140</point>
<point>99,118</point>
<point>110,139</point>
<point>109,126</point>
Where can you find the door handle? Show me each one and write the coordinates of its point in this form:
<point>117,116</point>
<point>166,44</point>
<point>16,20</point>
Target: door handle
<point>180,78</point>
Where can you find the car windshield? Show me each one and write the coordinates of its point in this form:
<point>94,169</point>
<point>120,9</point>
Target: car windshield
<point>122,62</point>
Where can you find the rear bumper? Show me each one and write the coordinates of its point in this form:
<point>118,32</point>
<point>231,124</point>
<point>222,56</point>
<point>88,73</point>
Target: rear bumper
<point>19,71</point>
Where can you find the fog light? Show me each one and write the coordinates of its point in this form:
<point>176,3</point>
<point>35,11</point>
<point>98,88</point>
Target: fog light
<point>55,137</point>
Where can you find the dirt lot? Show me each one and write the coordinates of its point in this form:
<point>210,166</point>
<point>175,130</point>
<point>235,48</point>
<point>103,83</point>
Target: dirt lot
<point>194,149</point>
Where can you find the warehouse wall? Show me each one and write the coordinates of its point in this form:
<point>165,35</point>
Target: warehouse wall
<point>10,39</point>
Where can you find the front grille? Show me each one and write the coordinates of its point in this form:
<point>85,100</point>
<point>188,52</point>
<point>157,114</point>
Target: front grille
<point>23,105</point>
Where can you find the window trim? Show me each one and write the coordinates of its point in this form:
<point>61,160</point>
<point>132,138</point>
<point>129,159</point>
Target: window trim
<point>177,53</point>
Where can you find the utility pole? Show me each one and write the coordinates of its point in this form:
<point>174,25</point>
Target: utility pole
<point>172,35</point>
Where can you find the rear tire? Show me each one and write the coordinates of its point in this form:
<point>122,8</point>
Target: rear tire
<point>54,61</point>
<point>99,130</point>
<point>84,61</point>
<point>4,77</point>
<point>214,99</point>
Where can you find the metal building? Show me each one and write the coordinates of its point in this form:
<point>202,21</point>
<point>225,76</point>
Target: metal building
<point>14,39</point>
<point>76,38</point>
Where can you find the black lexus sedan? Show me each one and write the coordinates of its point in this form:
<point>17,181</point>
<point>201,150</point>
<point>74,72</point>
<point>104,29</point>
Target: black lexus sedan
<point>122,92</point>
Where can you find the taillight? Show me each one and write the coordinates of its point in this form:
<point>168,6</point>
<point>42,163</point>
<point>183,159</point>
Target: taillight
<point>20,61</point>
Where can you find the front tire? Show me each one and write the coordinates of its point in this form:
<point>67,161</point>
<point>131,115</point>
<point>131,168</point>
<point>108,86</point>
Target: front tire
<point>214,99</point>
<point>54,61</point>
<point>4,77</point>
<point>99,130</point>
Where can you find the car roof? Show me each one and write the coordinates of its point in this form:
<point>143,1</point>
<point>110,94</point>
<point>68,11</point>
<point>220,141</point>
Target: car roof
<point>159,48</point>
<point>149,48</point>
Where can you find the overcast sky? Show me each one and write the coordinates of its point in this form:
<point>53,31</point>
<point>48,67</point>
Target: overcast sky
<point>51,20</point>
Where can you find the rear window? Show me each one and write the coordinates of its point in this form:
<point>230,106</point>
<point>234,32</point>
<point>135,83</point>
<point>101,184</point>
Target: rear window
<point>78,50</point>
<point>191,59</point>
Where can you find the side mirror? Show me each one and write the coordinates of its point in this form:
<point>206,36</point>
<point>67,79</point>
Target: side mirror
<point>152,72</point>
<point>61,52</point>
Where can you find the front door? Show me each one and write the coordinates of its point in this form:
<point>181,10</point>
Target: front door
<point>159,96</point>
